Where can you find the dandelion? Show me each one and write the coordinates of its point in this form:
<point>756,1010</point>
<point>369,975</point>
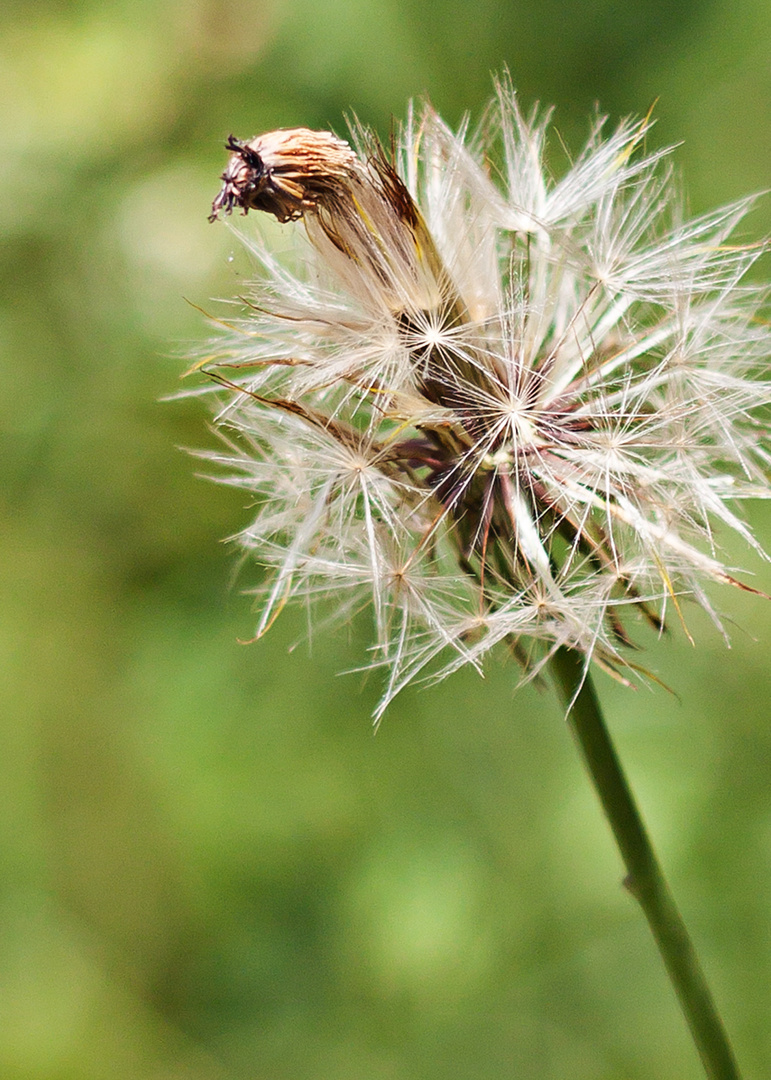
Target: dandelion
<point>501,408</point>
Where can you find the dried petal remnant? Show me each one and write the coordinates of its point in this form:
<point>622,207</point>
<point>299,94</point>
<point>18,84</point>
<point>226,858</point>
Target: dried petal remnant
<point>284,173</point>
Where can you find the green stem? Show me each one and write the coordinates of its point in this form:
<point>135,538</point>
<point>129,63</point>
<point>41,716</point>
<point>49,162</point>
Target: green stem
<point>645,880</point>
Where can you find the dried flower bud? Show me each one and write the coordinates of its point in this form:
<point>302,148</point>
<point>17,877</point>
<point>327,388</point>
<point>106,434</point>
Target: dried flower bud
<point>284,172</point>
<point>361,207</point>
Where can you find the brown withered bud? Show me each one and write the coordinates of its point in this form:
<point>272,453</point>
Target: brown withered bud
<point>284,173</point>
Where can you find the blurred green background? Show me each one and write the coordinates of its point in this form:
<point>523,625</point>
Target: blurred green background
<point>210,868</point>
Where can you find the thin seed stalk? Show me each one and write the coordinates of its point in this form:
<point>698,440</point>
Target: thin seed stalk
<point>645,879</point>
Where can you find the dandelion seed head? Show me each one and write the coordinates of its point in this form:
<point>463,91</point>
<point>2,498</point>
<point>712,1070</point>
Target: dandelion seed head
<point>502,408</point>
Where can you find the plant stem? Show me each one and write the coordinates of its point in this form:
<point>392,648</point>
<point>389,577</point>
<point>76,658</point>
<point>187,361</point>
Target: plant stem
<point>645,880</point>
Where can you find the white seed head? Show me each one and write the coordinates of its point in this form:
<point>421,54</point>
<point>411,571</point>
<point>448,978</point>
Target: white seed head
<point>499,406</point>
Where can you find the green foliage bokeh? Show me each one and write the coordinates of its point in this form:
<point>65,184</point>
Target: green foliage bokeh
<point>210,868</point>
